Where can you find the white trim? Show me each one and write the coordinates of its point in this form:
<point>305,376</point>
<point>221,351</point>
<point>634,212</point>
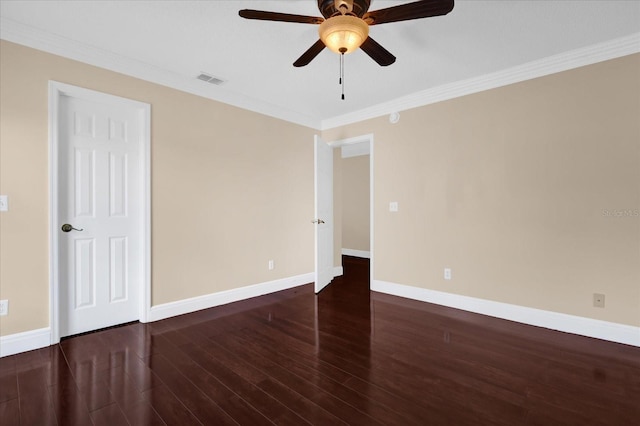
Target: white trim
<point>604,330</point>
<point>338,271</point>
<point>355,150</point>
<point>356,253</point>
<point>553,64</point>
<point>54,101</point>
<point>35,38</point>
<point>43,337</point>
<point>38,39</point>
<point>352,141</point>
<point>56,90</point>
<point>185,306</point>
<point>371,221</point>
<point>145,161</point>
<point>26,341</point>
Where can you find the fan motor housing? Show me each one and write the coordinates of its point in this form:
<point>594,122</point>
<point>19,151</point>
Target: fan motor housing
<point>328,7</point>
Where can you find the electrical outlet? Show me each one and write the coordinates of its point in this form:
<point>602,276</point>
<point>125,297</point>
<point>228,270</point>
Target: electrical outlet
<point>393,206</point>
<point>447,273</point>
<point>271,265</point>
<point>598,300</point>
<point>4,307</point>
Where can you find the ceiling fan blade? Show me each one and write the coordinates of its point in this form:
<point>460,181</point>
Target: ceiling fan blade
<point>406,12</point>
<point>311,53</point>
<point>281,17</point>
<point>378,53</point>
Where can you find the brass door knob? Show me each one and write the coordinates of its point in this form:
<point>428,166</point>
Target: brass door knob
<point>68,228</point>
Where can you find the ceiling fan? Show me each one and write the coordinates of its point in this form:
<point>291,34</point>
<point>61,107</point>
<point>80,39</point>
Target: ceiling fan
<point>344,25</point>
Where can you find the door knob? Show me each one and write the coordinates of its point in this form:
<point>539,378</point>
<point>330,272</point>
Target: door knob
<point>68,228</point>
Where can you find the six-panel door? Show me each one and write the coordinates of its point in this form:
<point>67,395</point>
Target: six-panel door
<point>99,193</point>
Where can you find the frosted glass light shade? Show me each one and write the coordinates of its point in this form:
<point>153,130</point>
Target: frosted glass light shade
<point>343,33</point>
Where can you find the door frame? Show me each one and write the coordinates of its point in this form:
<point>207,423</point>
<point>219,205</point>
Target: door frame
<point>56,91</point>
<point>367,138</point>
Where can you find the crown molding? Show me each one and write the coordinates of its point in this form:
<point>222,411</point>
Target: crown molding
<point>550,65</point>
<point>32,37</point>
<point>41,40</point>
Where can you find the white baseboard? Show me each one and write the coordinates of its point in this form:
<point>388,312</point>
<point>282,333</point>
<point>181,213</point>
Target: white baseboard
<point>356,253</point>
<point>338,271</point>
<point>26,341</point>
<point>614,332</point>
<point>40,338</point>
<point>185,306</point>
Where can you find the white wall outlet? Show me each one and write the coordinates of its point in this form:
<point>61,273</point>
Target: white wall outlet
<point>598,300</point>
<point>4,203</point>
<point>271,265</point>
<point>393,206</point>
<point>4,307</point>
<point>447,273</point>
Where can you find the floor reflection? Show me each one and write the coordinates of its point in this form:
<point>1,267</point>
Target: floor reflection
<point>344,356</point>
<point>344,309</point>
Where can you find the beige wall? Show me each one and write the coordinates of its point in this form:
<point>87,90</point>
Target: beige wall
<point>337,207</point>
<point>510,188</point>
<point>231,189</point>
<point>507,187</point>
<point>355,203</point>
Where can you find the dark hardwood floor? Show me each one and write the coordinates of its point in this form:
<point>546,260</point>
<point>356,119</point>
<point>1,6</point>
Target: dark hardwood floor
<point>347,356</point>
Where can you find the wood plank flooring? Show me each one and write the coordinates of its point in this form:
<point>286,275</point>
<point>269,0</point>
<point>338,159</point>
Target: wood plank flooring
<point>347,356</point>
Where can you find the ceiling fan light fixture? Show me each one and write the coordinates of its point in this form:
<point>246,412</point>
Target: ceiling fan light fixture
<point>343,33</point>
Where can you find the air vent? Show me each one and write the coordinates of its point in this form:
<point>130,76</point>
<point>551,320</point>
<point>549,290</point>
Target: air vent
<point>211,79</point>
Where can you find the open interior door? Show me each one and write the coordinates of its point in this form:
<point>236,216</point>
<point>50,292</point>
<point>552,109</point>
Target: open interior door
<point>323,213</point>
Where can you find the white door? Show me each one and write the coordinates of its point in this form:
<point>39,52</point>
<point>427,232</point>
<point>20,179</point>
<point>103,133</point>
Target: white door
<point>100,194</point>
<point>323,213</point>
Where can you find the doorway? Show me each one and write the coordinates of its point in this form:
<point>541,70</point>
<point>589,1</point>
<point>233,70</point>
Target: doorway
<point>354,191</point>
<point>361,145</point>
<point>99,210</point>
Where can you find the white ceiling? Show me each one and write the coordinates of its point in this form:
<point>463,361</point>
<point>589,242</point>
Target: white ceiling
<point>171,42</point>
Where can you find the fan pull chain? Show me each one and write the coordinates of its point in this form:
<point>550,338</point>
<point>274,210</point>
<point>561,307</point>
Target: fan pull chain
<point>342,73</point>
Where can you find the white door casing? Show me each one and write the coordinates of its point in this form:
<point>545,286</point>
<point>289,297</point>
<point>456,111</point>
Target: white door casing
<point>99,184</point>
<point>323,213</point>
<point>351,142</point>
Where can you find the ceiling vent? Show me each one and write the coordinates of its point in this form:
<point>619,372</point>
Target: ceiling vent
<point>211,79</point>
